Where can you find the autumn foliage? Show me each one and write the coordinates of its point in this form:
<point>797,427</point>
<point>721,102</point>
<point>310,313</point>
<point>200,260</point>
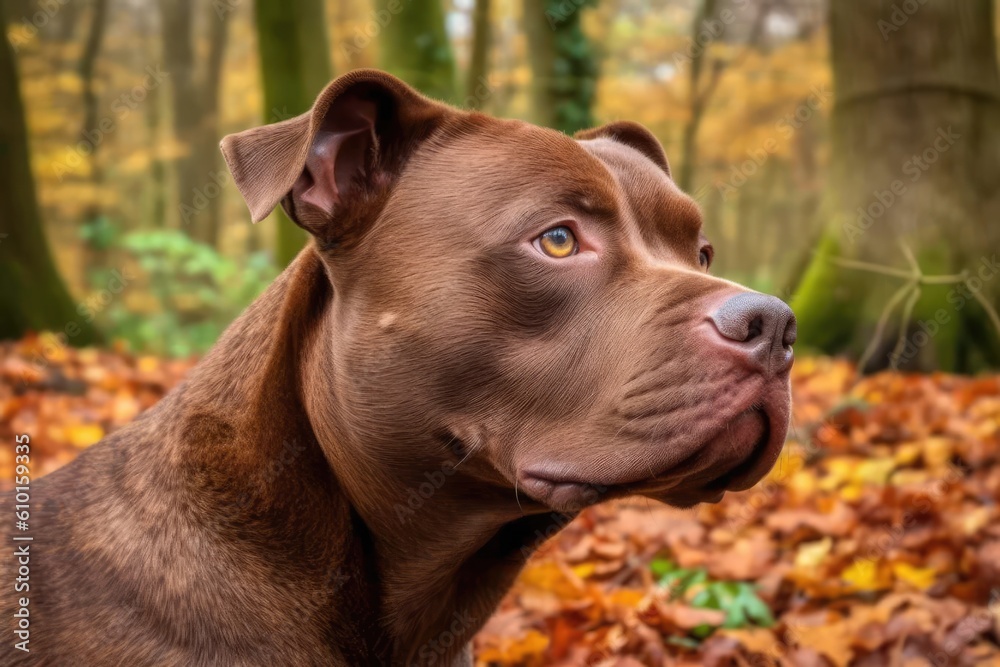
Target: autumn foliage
<point>874,541</point>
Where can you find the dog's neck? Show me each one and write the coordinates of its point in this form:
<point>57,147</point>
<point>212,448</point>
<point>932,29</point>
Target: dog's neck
<point>432,578</point>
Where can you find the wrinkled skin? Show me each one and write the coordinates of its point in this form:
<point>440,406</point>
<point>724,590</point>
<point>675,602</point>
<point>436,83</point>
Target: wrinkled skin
<point>600,368</point>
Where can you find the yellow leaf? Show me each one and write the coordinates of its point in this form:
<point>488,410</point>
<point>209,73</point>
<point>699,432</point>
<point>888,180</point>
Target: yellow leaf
<point>626,597</point>
<point>852,491</point>
<point>53,349</point>
<point>515,651</point>
<point>867,575</point>
<point>976,519</point>
<point>811,554</point>
<point>937,452</point>
<point>148,364</point>
<point>875,471</point>
<point>907,453</point>
<point>83,435</point>
<point>918,577</point>
<point>910,478</point>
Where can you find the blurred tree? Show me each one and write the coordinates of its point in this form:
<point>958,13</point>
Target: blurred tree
<point>916,127</point>
<point>701,88</point>
<point>479,64</point>
<point>563,67</point>
<point>699,93</point>
<point>34,296</point>
<point>93,218</point>
<point>414,45</point>
<point>295,66</point>
<point>195,104</point>
<point>91,49</point>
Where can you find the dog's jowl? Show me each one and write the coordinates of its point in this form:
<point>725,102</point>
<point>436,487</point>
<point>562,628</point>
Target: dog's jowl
<point>494,326</point>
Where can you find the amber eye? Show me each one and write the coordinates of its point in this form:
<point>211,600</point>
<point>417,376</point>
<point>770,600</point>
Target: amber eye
<point>558,242</point>
<point>705,257</point>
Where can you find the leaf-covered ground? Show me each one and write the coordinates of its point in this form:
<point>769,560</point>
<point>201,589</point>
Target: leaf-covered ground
<point>875,540</point>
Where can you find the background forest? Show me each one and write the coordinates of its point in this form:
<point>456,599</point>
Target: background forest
<point>125,101</point>
<point>846,156</point>
<point>800,128</point>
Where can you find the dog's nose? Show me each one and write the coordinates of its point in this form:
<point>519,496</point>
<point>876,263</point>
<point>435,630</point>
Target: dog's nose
<point>763,328</point>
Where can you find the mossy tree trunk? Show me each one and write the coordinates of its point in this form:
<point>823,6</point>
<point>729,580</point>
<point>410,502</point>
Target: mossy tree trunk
<point>563,66</point>
<point>295,66</point>
<point>33,296</point>
<point>916,168</point>
<point>414,46</point>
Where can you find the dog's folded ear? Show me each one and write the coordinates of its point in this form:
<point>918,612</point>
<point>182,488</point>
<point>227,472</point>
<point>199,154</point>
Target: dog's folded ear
<point>633,135</point>
<point>352,142</point>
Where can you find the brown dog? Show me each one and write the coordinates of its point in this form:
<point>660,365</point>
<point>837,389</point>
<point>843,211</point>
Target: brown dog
<point>495,326</point>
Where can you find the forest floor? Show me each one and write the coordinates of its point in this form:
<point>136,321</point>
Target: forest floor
<point>875,541</point>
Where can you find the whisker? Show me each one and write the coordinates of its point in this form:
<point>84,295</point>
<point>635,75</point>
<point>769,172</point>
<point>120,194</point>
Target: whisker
<point>467,455</point>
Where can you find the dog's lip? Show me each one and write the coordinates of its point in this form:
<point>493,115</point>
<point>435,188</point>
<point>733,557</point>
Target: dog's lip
<point>557,484</point>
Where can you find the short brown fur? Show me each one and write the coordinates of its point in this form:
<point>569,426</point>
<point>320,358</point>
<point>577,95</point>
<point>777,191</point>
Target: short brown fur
<point>274,508</point>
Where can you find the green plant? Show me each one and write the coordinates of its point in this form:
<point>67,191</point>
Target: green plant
<point>197,292</point>
<point>738,599</point>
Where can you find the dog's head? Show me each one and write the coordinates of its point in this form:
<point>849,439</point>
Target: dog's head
<point>534,309</point>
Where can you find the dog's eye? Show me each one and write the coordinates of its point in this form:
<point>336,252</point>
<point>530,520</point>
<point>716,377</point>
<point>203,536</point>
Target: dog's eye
<point>558,242</point>
<point>705,256</point>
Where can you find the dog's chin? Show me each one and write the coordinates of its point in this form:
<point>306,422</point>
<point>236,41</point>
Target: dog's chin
<point>751,431</point>
<point>739,456</point>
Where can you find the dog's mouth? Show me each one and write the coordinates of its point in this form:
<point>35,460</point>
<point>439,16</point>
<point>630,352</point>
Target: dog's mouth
<point>735,458</point>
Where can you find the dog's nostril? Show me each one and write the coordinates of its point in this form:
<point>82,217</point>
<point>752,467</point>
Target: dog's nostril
<point>755,329</point>
<point>791,333</point>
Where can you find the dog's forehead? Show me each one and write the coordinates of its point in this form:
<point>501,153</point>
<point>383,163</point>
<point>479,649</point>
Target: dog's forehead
<point>503,171</point>
<point>663,213</point>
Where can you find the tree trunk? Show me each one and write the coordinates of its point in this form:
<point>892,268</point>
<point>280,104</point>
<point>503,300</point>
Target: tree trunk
<point>482,33</point>
<point>414,46</point>
<point>563,68</point>
<point>34,296</point>
<point>208,155</point>
<point>295,65</point>
<point>915,131</point>
<point>178,53</point>
<point>95,252</point>
<point>195,115</point>
<point>91,49</point>
<point>698,97</point>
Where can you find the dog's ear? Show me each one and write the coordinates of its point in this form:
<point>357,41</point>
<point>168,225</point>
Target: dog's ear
<point>351,143</point>
<point>631,134</point>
